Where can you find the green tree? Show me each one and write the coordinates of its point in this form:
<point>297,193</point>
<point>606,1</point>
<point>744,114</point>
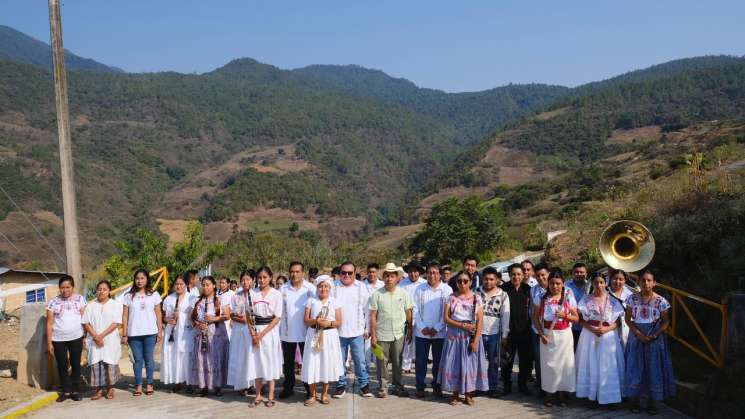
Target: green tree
<point>457,227</point>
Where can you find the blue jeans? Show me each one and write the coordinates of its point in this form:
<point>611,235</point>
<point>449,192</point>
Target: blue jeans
<point>492,345</point>
<point>357,345</point>
<point>422,346</point>
<point>142,348</point>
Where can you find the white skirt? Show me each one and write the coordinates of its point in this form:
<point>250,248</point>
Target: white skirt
<point>326,365</point>
<point>557,361</point>
<point>263,361</point>
<point>240,345</point>
<point>600,367</point>
<point>176,357</point>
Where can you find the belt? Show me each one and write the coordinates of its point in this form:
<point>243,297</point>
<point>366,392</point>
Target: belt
<point>597,323</point>
<point>260,321</point>
<point>556,325</point>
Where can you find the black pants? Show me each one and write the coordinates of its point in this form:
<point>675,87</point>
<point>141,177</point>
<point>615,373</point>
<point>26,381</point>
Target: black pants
<point>519,344</point>
<point>70,382</point>
<point>288,364</point>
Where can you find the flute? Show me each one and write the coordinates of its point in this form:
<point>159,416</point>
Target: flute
<point>171,337</point>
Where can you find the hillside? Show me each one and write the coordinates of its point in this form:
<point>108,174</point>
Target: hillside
<point>15,45</point>
<point>473,114</point>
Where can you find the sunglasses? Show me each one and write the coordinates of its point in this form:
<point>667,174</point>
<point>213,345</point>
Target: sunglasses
<point>347,273</point>
<point>464,281</point>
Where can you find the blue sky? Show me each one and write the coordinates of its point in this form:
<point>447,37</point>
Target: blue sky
<point>449,45</point>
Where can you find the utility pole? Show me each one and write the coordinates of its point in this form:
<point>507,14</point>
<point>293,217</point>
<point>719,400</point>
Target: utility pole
<point>69,208</point>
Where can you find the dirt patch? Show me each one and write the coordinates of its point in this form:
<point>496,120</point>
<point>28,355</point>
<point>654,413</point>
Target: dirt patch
<point>636,135</point>
<point>393,237</point>
<point>49,217</point>
<point>12,393</point>
<point>454,192</point>
<point>550,114</point>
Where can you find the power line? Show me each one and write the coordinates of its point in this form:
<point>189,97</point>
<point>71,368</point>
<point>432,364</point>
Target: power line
<point>19,251</point>
<point>38,233</point>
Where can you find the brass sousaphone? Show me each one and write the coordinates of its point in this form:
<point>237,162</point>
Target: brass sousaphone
<point>627,245</point>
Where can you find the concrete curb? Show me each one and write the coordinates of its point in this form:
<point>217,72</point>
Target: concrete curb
<point>34,404</point>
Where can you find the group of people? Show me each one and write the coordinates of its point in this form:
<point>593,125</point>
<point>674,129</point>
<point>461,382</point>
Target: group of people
<point>597,338</point>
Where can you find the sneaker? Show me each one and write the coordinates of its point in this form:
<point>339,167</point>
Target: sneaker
<point>381,394</point>
<point>365,391</point>
<point>339,393</point>
<point>286,393</point>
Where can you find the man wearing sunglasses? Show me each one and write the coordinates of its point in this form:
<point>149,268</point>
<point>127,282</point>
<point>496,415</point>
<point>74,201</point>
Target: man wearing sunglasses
<point>352,296</point>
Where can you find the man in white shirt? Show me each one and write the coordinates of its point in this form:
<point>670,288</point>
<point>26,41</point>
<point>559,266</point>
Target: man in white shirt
<point>352,296</point>
<point>372,283</point>
<point>292,328</point>
<point>430,299</point>
<point>529,273</point>
<point>496,323</point>
<point>410,284</point>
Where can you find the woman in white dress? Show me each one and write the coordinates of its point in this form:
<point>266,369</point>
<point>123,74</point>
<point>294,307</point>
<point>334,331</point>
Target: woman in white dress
<point>240,375</point>
<point>621,292</point>
<point>226,298</point>
<point>101,319</point>
<point>599,356</point>
<point>322,361</point>
<point>175,360</point>
<point>265,357</point>
<point>556,310</point>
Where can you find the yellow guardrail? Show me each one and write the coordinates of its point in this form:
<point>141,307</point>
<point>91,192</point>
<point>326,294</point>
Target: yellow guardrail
<point>677,302</point>
<point>161,274</point>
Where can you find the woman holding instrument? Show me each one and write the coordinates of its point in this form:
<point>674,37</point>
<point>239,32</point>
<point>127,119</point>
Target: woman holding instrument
<point>649,369</point>
<point>240,374</point>
<point>463,368</point>
<point>175,359</point>
<point>556,310</point>
<point>322,360</point>
<point>265,357</point>
<point>599,356</point>
<point>209,356</point>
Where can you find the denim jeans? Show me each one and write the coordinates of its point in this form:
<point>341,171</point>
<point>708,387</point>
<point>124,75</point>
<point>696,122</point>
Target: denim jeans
<point>143,348</point>
<point>422,346</point>
<point>357,345</point>
<point>492,346</point>
<point>537,356</point>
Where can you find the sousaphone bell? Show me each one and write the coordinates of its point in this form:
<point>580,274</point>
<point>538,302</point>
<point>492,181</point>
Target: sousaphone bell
<point>627,245</point>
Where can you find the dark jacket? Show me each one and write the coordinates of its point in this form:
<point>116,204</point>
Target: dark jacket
<point>519,302</point>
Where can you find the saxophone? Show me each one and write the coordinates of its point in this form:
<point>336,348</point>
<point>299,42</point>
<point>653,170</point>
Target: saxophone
<point>318,338</point>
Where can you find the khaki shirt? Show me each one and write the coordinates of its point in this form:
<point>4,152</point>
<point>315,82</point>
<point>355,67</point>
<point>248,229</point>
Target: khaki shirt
<point>391,308</point>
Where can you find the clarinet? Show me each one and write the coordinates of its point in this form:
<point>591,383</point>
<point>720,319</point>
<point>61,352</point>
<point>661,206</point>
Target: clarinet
<point>204,341</point>
<point>475,320</point>
<point>249,312</point>
<point>175,313</point>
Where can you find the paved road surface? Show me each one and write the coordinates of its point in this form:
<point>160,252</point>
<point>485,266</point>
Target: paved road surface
<point>165,405</point>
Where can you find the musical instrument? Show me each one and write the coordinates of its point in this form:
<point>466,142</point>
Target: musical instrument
<point>171,337</point>
<point>203,341</point>
<point>627,245</point>
<point>249,313</point>
<point>318,337</point>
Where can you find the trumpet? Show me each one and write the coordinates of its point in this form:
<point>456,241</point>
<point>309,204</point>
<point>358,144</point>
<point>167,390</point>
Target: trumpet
<point>318,337</point>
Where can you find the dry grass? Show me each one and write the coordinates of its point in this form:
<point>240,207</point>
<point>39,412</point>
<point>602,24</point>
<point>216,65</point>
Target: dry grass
<point>636,135</point>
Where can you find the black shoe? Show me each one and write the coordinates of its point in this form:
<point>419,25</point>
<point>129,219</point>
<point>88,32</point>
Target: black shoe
<point>525,390</point>
<point>365,391</point>
<point>76,397</point>
<point>494,394</point>
<point>339,393</point>
<point>286,393</point>
<point>62,397</point>
<point>507,390</point>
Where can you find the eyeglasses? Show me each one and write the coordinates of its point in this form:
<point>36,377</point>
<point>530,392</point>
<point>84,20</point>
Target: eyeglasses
<point>347,273</point>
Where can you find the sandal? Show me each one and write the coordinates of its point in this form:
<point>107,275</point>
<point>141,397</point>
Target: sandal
<point>257,401</point>
<point>137,392</point>
<point>150,390</point>
<point>310,402</point>
<point>469,401</point>
<point>110,394</point>
<point>325,399</point>
<point>270,403</point>
<point>98,395</point>
<point>203,393</point>
<point>454,401</point>
<point>218,392</point>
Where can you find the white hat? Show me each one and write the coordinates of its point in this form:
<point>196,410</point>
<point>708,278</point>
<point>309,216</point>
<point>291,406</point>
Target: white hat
<point>324,278</point>
<point>390,267</point>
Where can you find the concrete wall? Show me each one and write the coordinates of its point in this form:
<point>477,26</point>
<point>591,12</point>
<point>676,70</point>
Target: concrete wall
<point>35,366</point>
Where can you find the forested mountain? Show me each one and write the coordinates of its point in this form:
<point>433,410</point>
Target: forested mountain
<point>15,45</point>
<point>473,114</point>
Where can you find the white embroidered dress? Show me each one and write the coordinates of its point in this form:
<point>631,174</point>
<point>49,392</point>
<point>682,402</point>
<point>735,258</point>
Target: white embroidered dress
<point>176,357</point>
